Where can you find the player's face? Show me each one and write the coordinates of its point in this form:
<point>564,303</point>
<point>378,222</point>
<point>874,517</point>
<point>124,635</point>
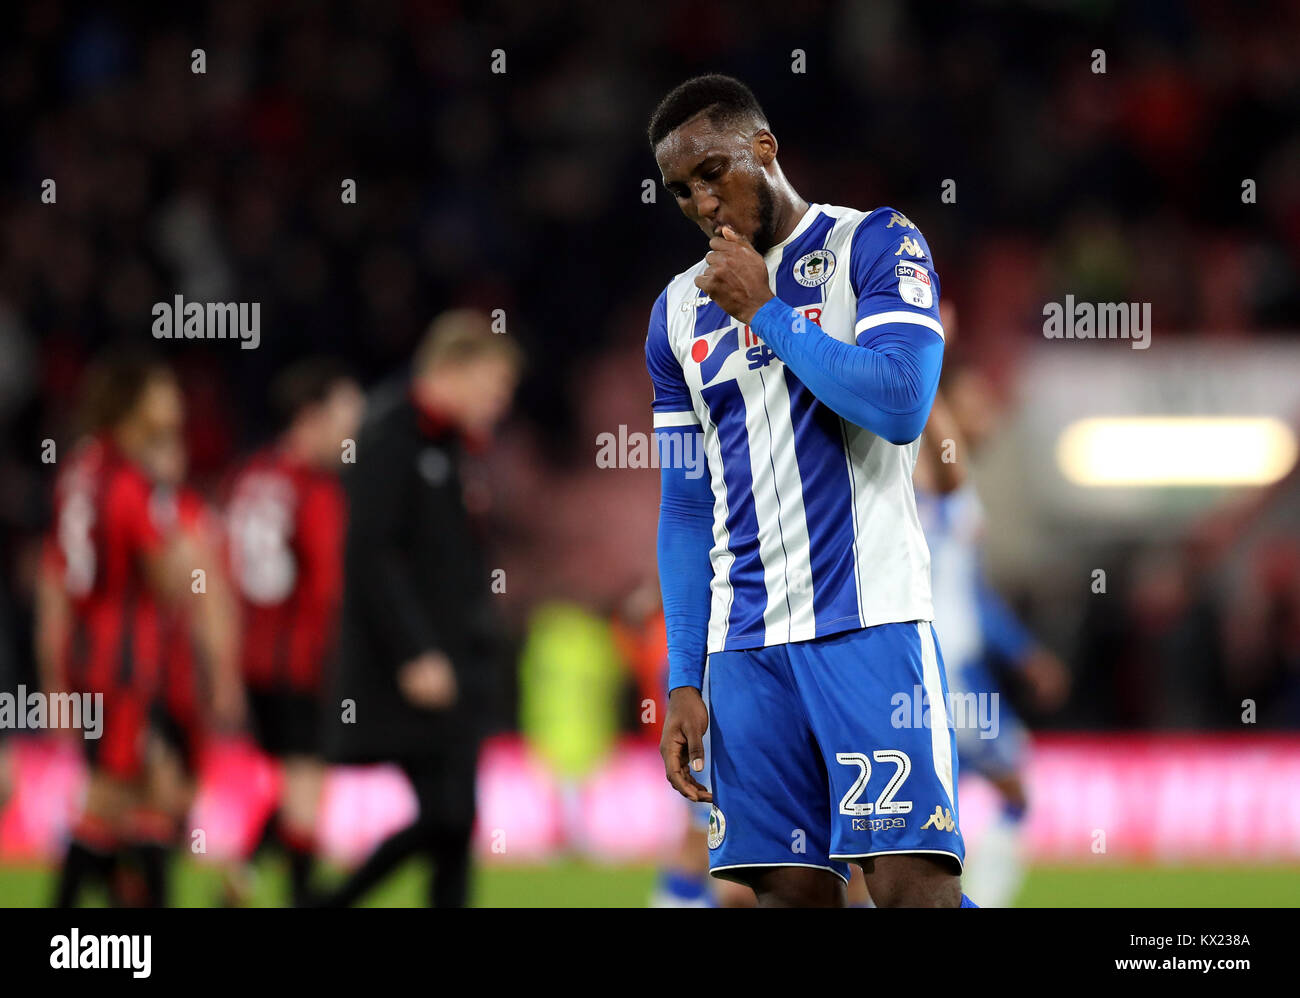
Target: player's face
<point>167,461</point>
<point>719,176</point>
<point>342,415</point>
<point>152,433</point>
<point>487,385</point>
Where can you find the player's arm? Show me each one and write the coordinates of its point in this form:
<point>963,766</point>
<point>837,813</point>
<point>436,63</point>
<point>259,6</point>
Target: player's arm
<point>885,382</point>
<point>940,440</point>
<point>685,573</point>
<point>1006,637</point>
<point>214,619</point>
<point>684,540</point>
<point>169,557</point>
<point>321,520</point>
<point>380,564</point>
<point>53,618</point>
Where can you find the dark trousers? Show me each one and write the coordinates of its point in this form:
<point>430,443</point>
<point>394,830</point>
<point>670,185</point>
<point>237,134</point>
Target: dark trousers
<point>444,791</point>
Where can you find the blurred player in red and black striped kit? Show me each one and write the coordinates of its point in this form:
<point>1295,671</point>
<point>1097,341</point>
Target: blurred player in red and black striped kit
<point>285,519</point>
<point>181,725</point>
<point>113,568</point>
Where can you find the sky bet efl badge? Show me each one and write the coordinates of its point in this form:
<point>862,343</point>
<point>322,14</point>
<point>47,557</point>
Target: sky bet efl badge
<point>914,285</point>
<point>814,268</point>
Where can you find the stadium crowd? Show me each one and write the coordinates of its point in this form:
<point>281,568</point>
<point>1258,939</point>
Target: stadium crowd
<point>220,175</point>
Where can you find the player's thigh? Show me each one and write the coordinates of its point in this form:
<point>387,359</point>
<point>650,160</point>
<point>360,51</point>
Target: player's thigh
<point>912,880</point>
<point>766,772</point>
<point>304,782</point>
<point>109,796</point>
<point>797,887</point>
<point>168,786</point>
<point>876,702</point>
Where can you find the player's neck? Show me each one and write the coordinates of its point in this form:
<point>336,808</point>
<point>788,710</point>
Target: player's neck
<point>296,448</point>
<point>790,210</point>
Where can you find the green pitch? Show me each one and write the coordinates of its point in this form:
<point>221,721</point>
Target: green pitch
<point>573,884</point>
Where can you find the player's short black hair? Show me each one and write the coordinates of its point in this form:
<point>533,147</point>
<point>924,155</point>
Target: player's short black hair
<point>113,384</point>
<point>304,383</point>
<point>725,99</point>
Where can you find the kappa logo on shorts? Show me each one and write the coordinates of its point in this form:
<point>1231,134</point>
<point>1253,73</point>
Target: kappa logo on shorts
<point>877,824</point>
<point>717,827</point>
<point>941,819</point>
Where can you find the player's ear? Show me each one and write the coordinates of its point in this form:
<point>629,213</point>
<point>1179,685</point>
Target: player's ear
<point>764,146</point>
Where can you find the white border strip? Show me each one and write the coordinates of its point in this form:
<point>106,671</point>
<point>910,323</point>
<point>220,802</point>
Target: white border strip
<point>684,418</point>
<point>916,318</point>
<point>900,852</point>
<point>713,870</point>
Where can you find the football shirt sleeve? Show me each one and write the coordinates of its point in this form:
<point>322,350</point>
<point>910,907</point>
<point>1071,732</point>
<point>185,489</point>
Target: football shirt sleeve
<point>886,382</point>
<point>685,571</point>
<point>685,511</point>
<point>672,399</point>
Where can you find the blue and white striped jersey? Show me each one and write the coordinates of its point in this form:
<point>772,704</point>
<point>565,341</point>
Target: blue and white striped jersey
<point>815,526</point>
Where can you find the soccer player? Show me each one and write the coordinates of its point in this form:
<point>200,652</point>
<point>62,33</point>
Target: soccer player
<point>802,354</point>
<point>285,522</point>
<point>980,630</point>
<point>182,719</point>
<point>109,565</point>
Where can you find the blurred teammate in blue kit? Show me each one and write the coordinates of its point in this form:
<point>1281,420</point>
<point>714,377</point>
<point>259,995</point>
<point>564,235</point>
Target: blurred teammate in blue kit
<point>981,634</point>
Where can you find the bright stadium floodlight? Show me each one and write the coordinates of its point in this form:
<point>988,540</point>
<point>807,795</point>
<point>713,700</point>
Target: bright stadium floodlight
<point>1176,451</point>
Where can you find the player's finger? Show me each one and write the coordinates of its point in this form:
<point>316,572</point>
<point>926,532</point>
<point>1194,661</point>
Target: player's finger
<point>695,750</point>
<point>675,756</point>
<point>698,792</point>
<point>677,776</point>
<point>689,787</point>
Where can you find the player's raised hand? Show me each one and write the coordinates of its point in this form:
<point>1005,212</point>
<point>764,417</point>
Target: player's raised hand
<point>682,745</point>
<point>736,276</point>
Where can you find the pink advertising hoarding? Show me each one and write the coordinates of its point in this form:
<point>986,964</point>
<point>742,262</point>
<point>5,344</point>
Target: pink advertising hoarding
<point>1163,799</point>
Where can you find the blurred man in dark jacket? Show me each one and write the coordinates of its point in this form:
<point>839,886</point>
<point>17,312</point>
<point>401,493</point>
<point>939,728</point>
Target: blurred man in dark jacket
<point>418,638</point>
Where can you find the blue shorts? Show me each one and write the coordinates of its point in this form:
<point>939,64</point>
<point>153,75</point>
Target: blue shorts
<point>831,750</point>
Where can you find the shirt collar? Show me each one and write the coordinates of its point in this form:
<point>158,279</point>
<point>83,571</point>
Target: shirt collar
<point>808,216</point>
<point>437,424</point>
